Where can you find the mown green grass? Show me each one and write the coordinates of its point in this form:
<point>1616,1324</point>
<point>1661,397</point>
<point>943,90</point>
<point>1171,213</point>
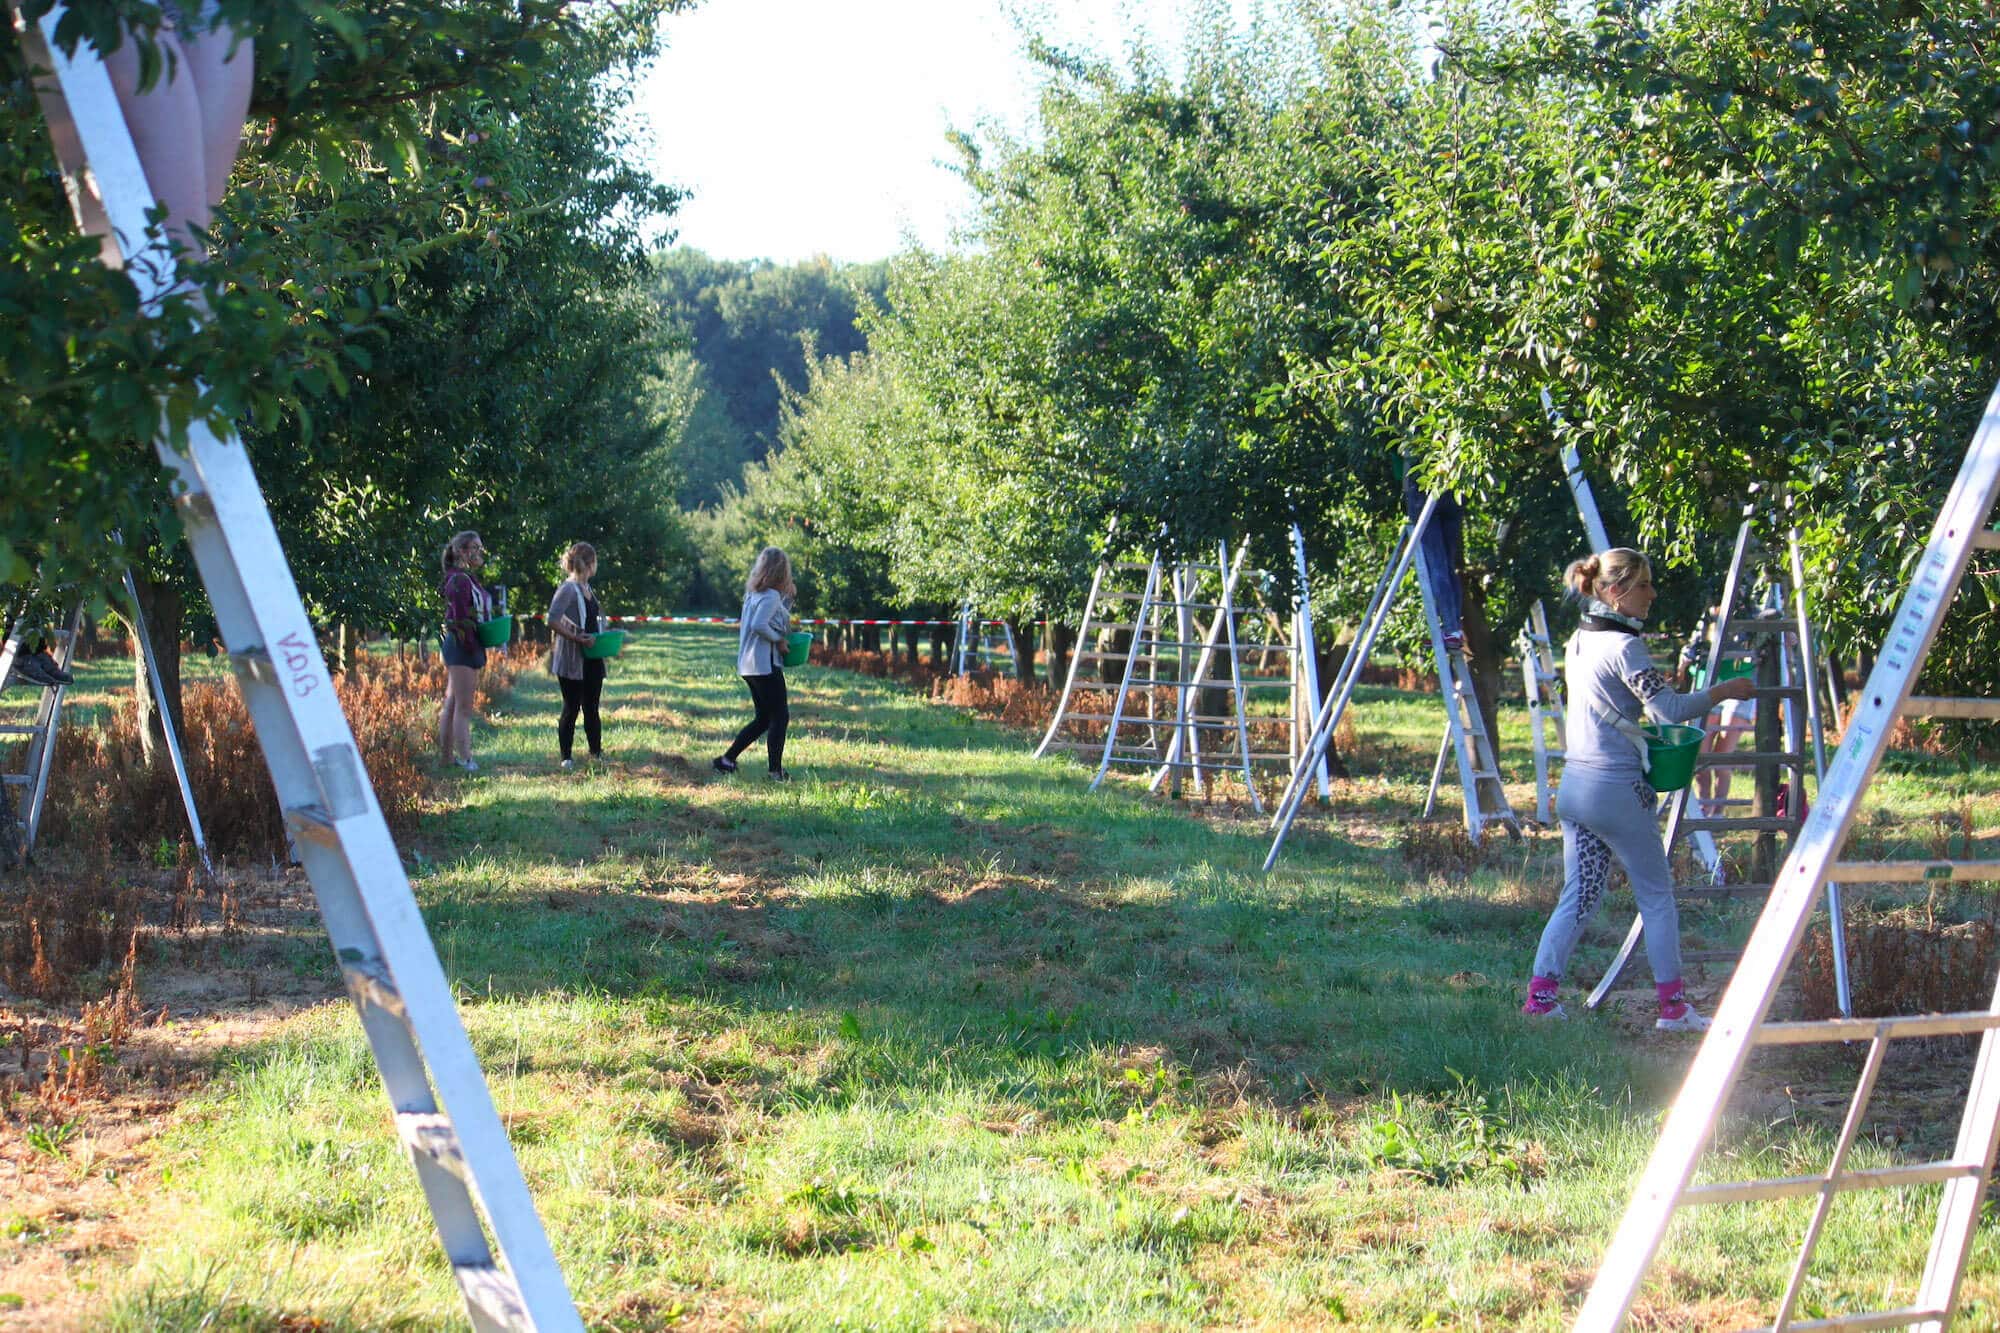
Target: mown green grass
<point>933,1037</point>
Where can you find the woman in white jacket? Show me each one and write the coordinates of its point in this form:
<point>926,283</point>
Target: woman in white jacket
<point>760,642</point>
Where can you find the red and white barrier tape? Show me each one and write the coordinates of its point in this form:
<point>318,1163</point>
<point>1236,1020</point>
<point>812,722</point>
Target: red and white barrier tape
<point>731,620</point>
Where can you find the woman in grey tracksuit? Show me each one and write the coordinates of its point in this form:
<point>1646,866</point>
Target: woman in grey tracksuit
<point>1607,807</point>
<point>760,641</point>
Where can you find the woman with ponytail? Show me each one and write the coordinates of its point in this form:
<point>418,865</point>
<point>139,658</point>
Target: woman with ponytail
<point>1607,807</point>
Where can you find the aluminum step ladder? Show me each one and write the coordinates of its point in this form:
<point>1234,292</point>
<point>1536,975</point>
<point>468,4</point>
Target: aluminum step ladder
<point>1333,707</point>
<point>47,726</point>
<point>443,1111</point>
<point>979,641</point>
<point>1116,585</point>
<point>1465,738</point>
<point>1740,1023</point>
<point>26,792</point>
<point>1790,640</point>
<point>1542,685</point>
<point>1181,637</point>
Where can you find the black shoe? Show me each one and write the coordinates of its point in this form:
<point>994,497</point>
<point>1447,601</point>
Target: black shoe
<point>722,764</point>
<point>779,775</point>
<point>35,669</point>
<point>48,665</point>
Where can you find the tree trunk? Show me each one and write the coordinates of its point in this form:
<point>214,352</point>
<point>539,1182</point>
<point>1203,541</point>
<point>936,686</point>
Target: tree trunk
<point>1024,650</point>
<point>1327,665</point>
<point>1483,655</point>
<point>161,606</point>
<point>1062,642</point>
<point>871,638</point>
<point>941,647</point>
<point>1109,670</point>
<point>1770,734</point>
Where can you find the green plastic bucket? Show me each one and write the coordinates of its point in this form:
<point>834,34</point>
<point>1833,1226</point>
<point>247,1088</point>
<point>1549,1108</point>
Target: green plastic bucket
<point>608,643</point>
<point>798,646</point>
<point>497,632</point>
<point>1672,751</point>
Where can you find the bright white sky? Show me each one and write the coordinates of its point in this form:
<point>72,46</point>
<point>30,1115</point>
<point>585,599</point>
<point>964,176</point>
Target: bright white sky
<point>809,127</point>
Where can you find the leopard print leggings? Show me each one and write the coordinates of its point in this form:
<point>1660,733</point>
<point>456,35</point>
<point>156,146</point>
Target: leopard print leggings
<point>1606,819</point>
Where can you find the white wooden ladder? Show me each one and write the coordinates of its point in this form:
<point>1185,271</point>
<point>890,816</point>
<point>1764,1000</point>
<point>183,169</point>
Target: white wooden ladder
<point>442,1109</point>
<point>1813,865</point>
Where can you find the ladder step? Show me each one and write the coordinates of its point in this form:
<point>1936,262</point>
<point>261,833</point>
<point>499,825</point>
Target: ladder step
<point>1749,758</point>
<point>1987,540</point>
<point>1903,1318</point>
<point>1782,692</point>
<point>1962,1024</point>
<point>1134,564</point>
<point>1874,1178</point>
<point>1745,824</point>
<point>1762,625</point>
<point>493,1292</point>
<point>20,731</point>
<point>1722,890</point>
<point>430,1134</point>
<point>1932,706</point>
<point>1219,765</point>
<point>1908,872</point>
<point>15,779</point>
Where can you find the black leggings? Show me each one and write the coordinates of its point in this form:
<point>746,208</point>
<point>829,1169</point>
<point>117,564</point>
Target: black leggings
<point>773,715</point>
<point>583,694</point>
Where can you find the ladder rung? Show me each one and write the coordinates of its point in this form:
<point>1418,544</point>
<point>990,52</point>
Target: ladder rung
<point>15,779</point>
<point>430,1134</point>
<point>1762,625</point>
<point>1748,758</point>
<point>1744,824</point>
<point>1918,705</point>
<point>1961,1024</point>
<point>1780,692</point>
<point>1219,765</point>
<point>20,731</point>
<point>1075,745</point>
<point>493,1292</point>
<point>1170,643</point>
<point>1107,596</point>
<point>1909,872</point>
<point>1133,564</point>
<point>1986,539</point>
<point>1873,1178</point>
<point>1903,1318</point>
<point>368,982</point>
<point>1721,890</point>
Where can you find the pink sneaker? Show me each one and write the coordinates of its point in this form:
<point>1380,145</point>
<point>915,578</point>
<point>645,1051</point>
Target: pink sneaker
<point>1542,1000</point>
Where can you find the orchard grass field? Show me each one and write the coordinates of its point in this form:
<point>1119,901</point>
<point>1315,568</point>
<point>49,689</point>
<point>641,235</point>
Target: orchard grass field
<point>933,1037</point>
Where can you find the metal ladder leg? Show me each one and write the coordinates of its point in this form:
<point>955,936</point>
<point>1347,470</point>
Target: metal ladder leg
<point>406,1005</point>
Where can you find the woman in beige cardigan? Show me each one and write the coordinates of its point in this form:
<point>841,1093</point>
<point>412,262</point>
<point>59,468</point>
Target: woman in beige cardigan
<point>573,625</point>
